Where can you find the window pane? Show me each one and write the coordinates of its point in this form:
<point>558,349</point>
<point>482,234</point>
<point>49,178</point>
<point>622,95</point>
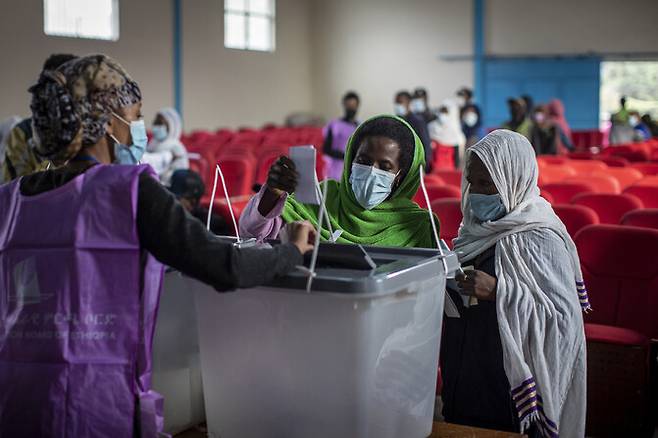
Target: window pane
<point>235,5</point>
<point>234,31</point>
<point>82,18</point>
<point>260,34</point>
<point>265,7</point>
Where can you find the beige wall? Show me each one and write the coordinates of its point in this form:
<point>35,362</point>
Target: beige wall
<point>570,26</point>
<point>144,48</point>
<point>224,87</point>
<point>377,47</point>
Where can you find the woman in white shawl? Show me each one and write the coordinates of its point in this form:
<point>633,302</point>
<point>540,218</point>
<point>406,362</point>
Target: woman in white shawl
<point>515,359</point>
<point>167,129</point>
<point>447,130</point>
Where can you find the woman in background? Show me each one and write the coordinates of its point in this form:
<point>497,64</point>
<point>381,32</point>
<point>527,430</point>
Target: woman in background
<point>167,130</point>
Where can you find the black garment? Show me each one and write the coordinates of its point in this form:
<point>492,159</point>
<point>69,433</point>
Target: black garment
<point>327,146</point>
<point>420,127</point>
<point>545,141</point>
<point>470,131</point>
<point>476,391</point>
<point>218,225</point>
<point>428,116</point>
<point>179,240</point>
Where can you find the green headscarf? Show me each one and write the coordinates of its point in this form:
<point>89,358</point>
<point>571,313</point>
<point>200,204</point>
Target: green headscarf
<point>398,221</point>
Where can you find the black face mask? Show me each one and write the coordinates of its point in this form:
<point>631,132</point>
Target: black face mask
<point>350,114</point>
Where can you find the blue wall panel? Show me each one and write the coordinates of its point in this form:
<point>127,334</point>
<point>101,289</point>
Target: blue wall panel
<point>575,81</point>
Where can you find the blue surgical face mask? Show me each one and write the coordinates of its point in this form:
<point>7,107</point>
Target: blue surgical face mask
<point>131,154</point>
<point>160,132</point>
<point>371,186</point>
<point>486,207</point>
<point>400,110</point>
<point>418,106</point>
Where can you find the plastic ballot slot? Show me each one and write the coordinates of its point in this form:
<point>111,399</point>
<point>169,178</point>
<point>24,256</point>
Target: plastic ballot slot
<point>355,357</point>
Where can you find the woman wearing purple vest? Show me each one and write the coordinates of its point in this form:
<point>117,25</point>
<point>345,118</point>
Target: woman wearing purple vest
<point>81,253</point>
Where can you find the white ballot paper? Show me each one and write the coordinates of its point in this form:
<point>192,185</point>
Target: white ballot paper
<point>304,159</point>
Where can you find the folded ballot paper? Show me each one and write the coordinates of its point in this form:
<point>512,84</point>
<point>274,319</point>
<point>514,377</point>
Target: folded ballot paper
<point>304,159</point>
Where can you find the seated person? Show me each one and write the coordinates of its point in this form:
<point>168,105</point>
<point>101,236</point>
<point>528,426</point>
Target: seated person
<point>188,188</point>
<point>514,360</point>
<point>372,204</point>
<point>167,130</point>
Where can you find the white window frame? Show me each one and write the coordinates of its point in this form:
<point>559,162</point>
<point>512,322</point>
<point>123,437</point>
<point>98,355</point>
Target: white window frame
<point>76,33</point>
<point>246,14</point>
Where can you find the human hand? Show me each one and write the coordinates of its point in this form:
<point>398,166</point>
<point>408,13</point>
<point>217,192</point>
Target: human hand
<point>300,234</point>
<point>477,284</point>
<point>282,177</point>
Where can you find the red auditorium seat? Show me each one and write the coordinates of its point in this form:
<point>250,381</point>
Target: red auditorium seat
<point>647,194</point>
<point>434,179</point>
<point>547,195</point>
<point>553,160</point>
<point>265,161</point>
<point>581,156</point>
<point>610,208</point>
<point>437,192</point>
<point>647,169</point>
<point>563,192</point>
<point>449,212</point>
<point>575,217</point>
<point>239,175</point>
<point>451,177</point>
<point>629,152</point>
<point>613,161</point>
<point>200,165</point>
<point>585,167</point>
<point>645,218</point>
<point>555,173</point>
<point>599,183</point>
<point>625,175</point>
<point>648,181</point>
<point>623,289</point>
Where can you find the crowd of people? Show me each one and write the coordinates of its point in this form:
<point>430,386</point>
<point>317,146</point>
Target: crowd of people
<point>514,362</point>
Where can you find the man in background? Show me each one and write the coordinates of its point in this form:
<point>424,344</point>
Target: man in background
<point>21,157</point>
<point>470,116</point>
<point>420,106</point>
<point>519,120</point>
<point>402,108</point>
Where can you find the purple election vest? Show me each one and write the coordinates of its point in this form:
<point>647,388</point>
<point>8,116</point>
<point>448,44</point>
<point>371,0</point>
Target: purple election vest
<point>78,303</point>
<point>340,135</point>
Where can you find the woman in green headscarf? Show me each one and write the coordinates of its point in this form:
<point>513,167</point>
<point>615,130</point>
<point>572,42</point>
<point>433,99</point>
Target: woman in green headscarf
<point>371,205</point>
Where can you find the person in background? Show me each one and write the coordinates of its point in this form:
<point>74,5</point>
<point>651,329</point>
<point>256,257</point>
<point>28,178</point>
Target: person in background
<point>95,236</point>
<point>470,116</point>
<point>337,133</point>
<point>420,106</point>
<point>547,137</point>
<point>188,188</point>
<point>621,131</point>
<point>447,131</point>
<point>519,120</point>
<point>167,130</point>
<point>529,103</point>
<point>372,204</point>
<point>514,358</point>
<point>641,131</point>
<point>556,114</point>
<point>651,124</point>
<point>402,108</point>
<point>20,154</point>
<point>5,129</point>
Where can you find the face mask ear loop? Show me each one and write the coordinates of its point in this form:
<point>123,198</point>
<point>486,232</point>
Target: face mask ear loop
<point>431,213</point>
<point>220,174</point>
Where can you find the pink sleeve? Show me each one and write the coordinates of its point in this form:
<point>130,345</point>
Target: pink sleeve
<point>254,224</point>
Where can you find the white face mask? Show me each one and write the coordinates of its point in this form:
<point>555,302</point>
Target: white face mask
<point>400,110</point>
<point>470,119</point>
<point>371,186</point>
<point>418,106</point>
<point>633,120</point>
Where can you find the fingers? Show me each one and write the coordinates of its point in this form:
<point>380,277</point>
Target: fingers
<point>301,234</point>
<point>282,175</point>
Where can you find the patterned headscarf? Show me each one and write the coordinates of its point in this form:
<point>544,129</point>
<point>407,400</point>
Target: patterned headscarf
<point>72,105</point>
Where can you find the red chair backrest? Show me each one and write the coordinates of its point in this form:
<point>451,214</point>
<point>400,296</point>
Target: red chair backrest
<point>613,161</point>
<point>434,179</point>
<point>646,218</point>
<point>563,193</point>
<point>621,281</point>
<point>648,169</point>
<point>625,175</point>
<point>553,160</point>
<point>555,173</point>
<point>265,161</point>
<point>599,183</point>
<point>648,181</point>
<point>575,217</point>
<point>449,212</point>
<point>547,195</point>
<point>581,156</point>
<point>584,167</point>
<point>238,174</point>
<point>451,177</point>
<point>610,208</point>
<point>200,166</point>
<point>647,194</point>
<point>630,153</point>
<point>437,192</point>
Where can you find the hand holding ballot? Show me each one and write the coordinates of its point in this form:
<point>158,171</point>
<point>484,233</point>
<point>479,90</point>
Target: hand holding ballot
<point>283,176</point>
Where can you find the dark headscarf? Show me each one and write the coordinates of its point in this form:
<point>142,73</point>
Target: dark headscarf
<point>72,105</point>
